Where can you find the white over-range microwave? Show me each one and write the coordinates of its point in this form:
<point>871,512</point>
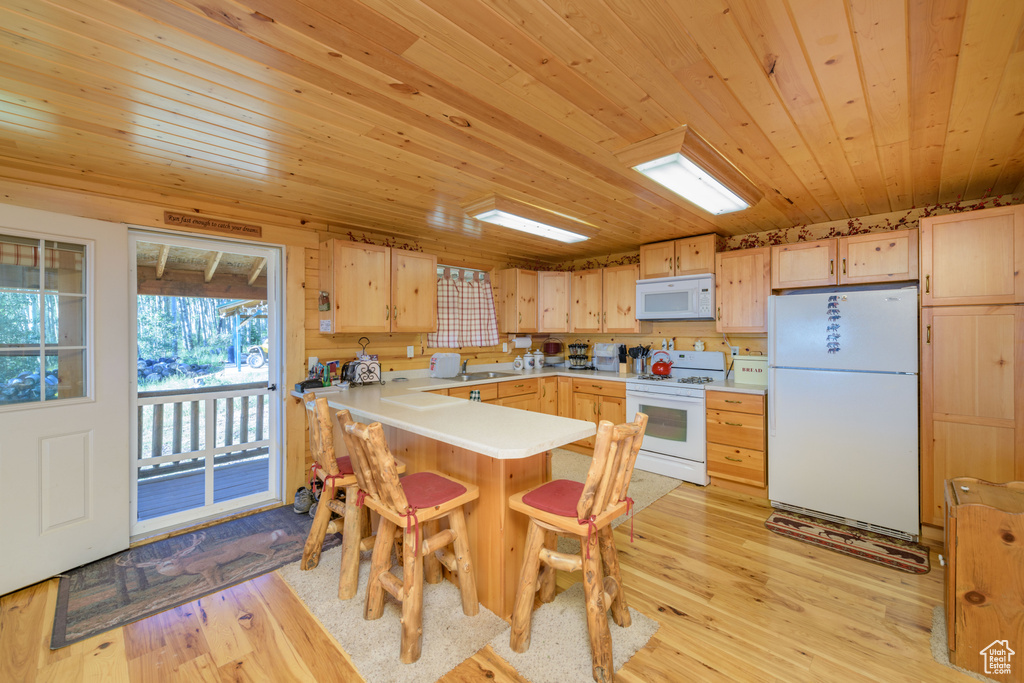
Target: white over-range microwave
<point>686,297</point>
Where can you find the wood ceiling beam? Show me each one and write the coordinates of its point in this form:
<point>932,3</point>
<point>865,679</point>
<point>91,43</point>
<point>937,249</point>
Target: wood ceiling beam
<point>257,268</point>
<point>211,265</point>
<point>191,283</point>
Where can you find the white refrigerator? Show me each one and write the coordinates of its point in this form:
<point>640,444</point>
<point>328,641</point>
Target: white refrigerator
<point>843,406</point>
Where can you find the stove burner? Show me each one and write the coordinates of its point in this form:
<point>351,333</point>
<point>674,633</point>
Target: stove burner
<point>653,378</point>
<point>695,380</point>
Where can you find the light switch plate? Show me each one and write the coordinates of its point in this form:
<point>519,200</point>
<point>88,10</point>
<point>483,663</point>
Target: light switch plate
<point>735,351</point>
<point>325,325</point>
<point>410,351</point>
<point>504,347</point>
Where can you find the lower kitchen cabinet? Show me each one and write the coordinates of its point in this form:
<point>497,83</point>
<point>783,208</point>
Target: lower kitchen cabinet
<point>736,437</point>
<point>549,395</point>
<point>488,392</point>
<point>596,400</point>
<point>565,397</point>
<point>523,394</point>
<point>972,405</point>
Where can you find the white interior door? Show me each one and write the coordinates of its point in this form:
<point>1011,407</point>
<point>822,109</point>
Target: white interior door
<point>63,393</point>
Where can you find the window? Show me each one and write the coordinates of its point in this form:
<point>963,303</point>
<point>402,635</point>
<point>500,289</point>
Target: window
<point>43,320</point>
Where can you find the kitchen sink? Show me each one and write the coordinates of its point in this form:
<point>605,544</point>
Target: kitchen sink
<point>476,376</point>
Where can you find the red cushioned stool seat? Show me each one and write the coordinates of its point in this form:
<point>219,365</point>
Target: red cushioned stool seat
<point>426,489</point>
<point>559,497</point>
<point>345,466</point>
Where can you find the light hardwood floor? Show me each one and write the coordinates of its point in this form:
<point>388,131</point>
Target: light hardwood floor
<point>735,603</point>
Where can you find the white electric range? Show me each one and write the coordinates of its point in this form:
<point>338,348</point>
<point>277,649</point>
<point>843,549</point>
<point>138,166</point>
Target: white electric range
<point>674,444</point>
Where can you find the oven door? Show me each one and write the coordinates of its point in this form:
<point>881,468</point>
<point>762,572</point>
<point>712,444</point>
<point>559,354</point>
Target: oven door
<point>675,426</point>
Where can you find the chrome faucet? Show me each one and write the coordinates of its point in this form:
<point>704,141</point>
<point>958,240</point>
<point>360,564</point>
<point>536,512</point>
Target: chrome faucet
<point>464,363</point>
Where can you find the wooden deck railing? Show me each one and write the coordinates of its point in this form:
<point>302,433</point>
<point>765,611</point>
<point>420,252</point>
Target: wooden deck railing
<point>175,433</point>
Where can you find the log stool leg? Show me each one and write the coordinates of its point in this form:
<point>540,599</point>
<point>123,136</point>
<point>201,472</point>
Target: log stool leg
<point>412,601</point>
<point>522,609</point>
<point>315,540</point>
<point>620,609</point>
<point>466,572</point>
<point>380,563</point>
<point>431,565</point>
<point>547,574</point>
<point>597,617</point>
<point>348,581</point>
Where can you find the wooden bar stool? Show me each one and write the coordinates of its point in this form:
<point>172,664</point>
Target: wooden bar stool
<point>408,504</point>
<point>584,510</point>
<point>337,476</point>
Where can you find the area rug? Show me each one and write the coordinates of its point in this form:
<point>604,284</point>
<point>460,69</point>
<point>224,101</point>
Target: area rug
<point>864,545</point>
<point>143,581</point>
<point>644,487</point>
<point>449,636</point>
<point>559,644</point>
<point>940,649</point>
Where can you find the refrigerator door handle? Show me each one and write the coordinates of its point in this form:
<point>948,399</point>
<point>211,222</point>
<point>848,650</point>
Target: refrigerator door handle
<point>771,402</point>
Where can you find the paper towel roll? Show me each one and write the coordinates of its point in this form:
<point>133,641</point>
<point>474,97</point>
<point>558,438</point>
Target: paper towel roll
<point>522,342</point>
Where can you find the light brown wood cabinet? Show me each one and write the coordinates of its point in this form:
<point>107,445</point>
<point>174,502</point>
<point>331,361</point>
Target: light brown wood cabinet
<point>377,289</point>
<point>604,300</point>
<point>595,400</point>
<point>984,563</point>
<point>972,398</point>
<point>516,300</point>
<point>553,301</point>
<point>742,287</point>
<point>488,392</point>
<point>736,437</point>
<point>687,256</point>
<point>565,397</point>
<point>520,393</point>
<point>855,259</point>
<point>549,395</point>
<point>973,258</point>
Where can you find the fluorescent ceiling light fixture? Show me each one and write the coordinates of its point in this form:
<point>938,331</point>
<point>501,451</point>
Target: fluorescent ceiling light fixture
<point>686,164</point>
<point>511,213</point>
<point>692,183</point>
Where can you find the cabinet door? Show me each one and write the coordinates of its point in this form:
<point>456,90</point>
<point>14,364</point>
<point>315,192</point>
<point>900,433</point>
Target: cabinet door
<point>695,255</point>
<point>553,302</point>
<point>878,257</point>
<point>971,364</point>
<point>549,395</point>
<point>526,300</point>
<point>619,295</point>
<point>586,407</point>
<point>525,402</point>
<point>657,260</point>
<point>742,289</point>
<point>973,258</point>
<point>564,397</point>
<point>804,264</point>
<point>413,291</point>
<point>361,294</point>
<point>613,409</point>
<point>585,314</point>
<point>516,300</point>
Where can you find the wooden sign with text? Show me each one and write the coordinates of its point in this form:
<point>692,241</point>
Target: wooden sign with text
<point>237,229</point>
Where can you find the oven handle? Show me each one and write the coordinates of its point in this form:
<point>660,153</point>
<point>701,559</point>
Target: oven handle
<point>641,395</point>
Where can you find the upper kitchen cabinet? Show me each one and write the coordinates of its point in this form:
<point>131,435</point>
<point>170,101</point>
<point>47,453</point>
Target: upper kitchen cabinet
<point>553,301</point>
<point>604,300</point>
<point>619,299</point>
<point>973,258</point>
<point>878,257</point>
<point>742,286</point>
<point>688,256</point>
<point>371,288</point>
<point>804,264</point>
<point>516,300</point>
<point>856,259</point>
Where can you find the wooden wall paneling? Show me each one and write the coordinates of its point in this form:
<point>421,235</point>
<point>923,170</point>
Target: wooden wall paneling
<point>991,34</point>
<point>294,335</point>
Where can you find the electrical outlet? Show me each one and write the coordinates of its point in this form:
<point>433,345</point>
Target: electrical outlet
<point>504,347</point>
<point>410,351</point>
<point>735,351</point>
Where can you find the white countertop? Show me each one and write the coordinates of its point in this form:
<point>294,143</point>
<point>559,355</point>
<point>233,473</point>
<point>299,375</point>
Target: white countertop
<point>492,430</point>
<point>737,387</point>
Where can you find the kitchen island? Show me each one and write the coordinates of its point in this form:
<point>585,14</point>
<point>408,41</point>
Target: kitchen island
<point>502,450</point>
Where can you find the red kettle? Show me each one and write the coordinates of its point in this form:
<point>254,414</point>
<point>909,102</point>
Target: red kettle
<point>662,367</point>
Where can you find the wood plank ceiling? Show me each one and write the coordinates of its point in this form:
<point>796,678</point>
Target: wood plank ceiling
<point>388,114</point>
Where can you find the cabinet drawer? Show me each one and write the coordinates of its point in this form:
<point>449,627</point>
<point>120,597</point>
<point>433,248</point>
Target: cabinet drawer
<point>736,429</point>
<point>745,465</point>
<point>599,387</point>
<point>517,387</point>
<point>488,392</point>
<point>735,402</point>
